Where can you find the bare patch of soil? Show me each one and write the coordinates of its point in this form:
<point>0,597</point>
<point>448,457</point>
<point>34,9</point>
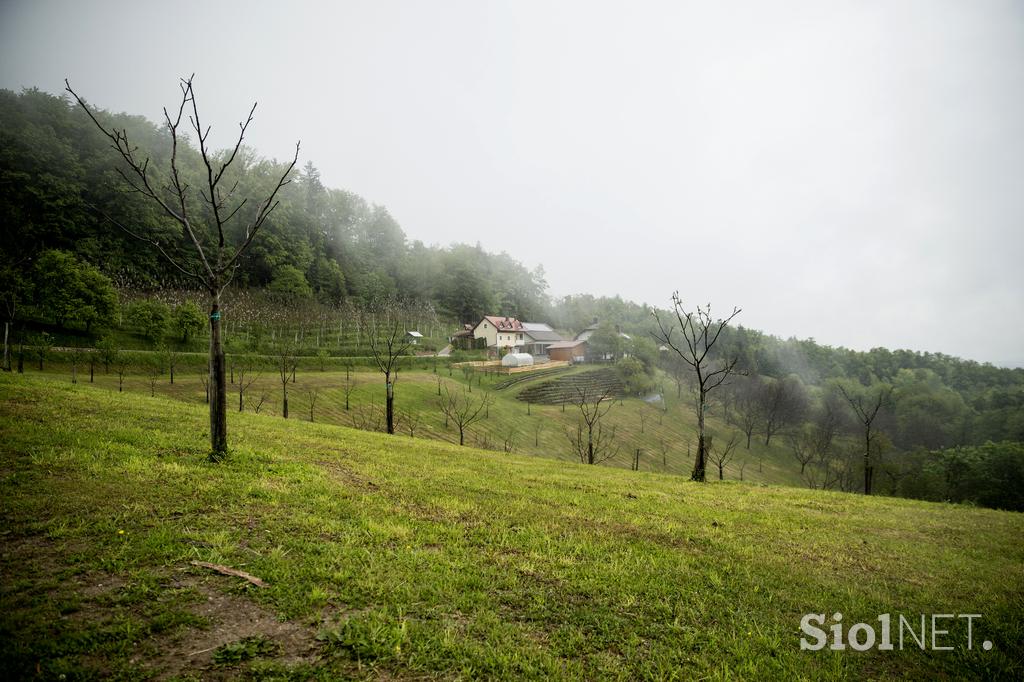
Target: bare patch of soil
<point>231,618</point>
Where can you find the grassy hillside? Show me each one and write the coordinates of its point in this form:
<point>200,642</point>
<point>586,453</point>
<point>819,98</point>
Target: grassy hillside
<point>666,437</point>
<point>396,557</point>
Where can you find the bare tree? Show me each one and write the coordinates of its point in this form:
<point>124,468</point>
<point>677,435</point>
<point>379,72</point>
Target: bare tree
<point>697,334</point>
<point>154,370</point>
<point>312,394</point>
<point>204,232</point>
<point>412,421</point>
<point>867,404</point>
<point>783,402</point>
<point>366,417</point>
<point>284,362</point>
<point>801,444</point>
<point>121,366</point>
<point>77,356</point>
<point>347,387</point>
<point>510,440</point>
<point>257,404</point>
<point>388,342</point>
<point>171,358</point>
<point>721,455</point>
<point>92,358</point>
<point>813,443</point>
<point>591,442</point>
<point>538,426</point>
<point>462,409</point>
<point>247,376</point>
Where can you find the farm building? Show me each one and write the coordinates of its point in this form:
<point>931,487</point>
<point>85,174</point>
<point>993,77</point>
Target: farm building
<point>463,338</point>
<point>571,351</point>
<point>414,337</point>
<point>538,337</point>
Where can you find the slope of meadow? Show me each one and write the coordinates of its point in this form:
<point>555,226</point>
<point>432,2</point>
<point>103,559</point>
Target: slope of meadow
<point>666,437</point>
<point>398,557</point>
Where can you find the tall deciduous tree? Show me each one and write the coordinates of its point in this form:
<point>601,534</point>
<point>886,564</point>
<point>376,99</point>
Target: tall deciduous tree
<point>867,404</point>
<point>204,230</point>
<point>692,335</point>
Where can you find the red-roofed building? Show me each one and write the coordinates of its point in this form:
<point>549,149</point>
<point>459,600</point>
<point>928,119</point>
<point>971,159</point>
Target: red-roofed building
<point>500,332</point>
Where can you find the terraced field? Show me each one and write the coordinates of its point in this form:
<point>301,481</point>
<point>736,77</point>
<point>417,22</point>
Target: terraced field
<point>517,379</point>
<point>566,389</point>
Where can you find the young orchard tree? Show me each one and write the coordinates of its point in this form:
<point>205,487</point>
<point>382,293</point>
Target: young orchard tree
<point>42,347</point>
<point>77,356</point>
<point>347,387</point>
<point>412,421</point>
<point>721,455</point>
<point>312,394</point>
<point>122,364</point>
<point>692,335</point>
<point>248,373</point>
<point>509,444</point>
<point>203,212</point>
<point>591,442</point>
<point>284,362</point>
<point>462,409</point>
<point>388,342</point>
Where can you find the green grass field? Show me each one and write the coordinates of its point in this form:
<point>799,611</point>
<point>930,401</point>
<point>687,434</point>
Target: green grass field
<point>666,437</point>
<point>392,557</point>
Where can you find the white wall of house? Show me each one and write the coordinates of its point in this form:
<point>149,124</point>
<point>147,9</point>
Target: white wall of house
<point>498,337</point>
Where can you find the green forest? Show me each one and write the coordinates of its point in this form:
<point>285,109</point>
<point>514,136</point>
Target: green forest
<point>72,278</point>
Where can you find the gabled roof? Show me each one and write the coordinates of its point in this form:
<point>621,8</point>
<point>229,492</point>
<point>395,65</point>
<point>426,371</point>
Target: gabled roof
<point>540,331</point>
<point>566,344</point>
<point>415,335</point>
<point>505,324</point>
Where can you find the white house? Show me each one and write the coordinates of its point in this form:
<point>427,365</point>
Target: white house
<point>511,334</point>
<point>500,332</point>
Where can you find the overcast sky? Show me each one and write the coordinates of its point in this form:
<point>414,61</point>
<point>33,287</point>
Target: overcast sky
<point>852,172</point>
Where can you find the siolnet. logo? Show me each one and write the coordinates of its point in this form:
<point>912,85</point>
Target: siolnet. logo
<point>909,633</point>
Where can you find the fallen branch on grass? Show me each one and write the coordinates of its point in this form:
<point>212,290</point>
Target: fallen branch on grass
<point>226,570</point>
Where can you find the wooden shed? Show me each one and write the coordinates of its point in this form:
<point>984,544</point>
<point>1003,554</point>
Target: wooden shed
<point>571,351</point>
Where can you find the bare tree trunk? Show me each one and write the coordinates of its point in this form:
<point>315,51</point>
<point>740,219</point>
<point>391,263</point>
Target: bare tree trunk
<point>218,385</point>
<point>699,465</point>
<point>391,406</point>
<point>7,352</point>
<point>868,469</point>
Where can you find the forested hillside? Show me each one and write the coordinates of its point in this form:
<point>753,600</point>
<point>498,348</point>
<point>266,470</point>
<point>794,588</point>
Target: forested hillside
<point>58,177</point>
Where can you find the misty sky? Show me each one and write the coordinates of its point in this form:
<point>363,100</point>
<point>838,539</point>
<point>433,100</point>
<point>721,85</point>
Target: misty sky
<point>852,172</point>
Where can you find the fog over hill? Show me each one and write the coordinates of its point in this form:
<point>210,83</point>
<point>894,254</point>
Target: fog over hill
<point>846,172</point>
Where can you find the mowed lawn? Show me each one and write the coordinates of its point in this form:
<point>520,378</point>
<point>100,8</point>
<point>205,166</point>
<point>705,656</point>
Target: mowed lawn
<point>398,557</point>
